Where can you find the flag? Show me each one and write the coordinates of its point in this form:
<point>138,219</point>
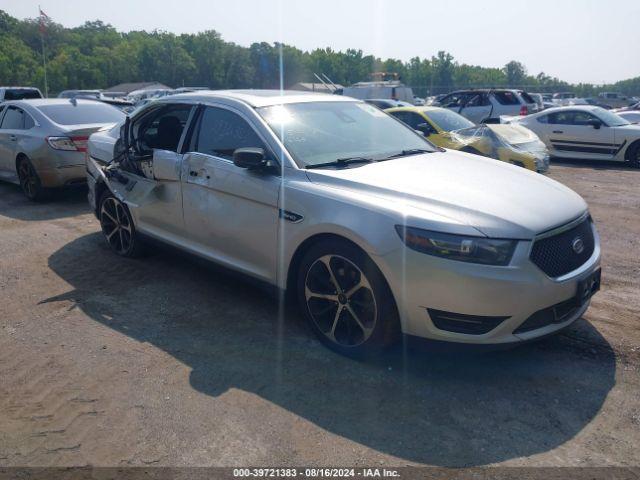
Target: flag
<point>43,18</point>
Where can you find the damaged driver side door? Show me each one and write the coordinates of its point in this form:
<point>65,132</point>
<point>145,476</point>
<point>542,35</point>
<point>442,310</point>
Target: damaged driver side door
<point>149,179</point>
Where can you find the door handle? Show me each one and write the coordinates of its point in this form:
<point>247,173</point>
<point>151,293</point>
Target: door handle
<point>558,131</point>
<point>13,138</point>
<point>193,173</point>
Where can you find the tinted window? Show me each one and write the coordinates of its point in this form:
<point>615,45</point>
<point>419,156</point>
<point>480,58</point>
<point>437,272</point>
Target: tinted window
<point>544,119</point>
<point>13,119</point>
<point>82,113</point>
<point>222,132</point>
<point>507,98</point>
<point>527,98</point>
<point>571,117</point>
<point>21,94</point>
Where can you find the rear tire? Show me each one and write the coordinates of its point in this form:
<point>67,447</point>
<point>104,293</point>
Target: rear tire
<point>30,181</point>
<point>346,300</point>
<point>117,227</point>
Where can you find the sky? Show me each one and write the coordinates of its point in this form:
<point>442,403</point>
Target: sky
<point>591,41</point>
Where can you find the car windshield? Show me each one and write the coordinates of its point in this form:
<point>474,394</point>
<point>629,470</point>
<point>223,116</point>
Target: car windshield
<point>82,113</point>
<point>610,118</point>
<point>448,120</point>
<point>320,132</point>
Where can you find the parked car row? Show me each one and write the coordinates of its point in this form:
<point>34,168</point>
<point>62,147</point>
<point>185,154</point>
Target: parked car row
<point>512,144</point>
<point>373,229</point>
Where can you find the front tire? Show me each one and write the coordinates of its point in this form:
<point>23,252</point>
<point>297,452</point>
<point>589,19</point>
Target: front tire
<point>117,226</point>
<point>633,156</point>
<point>346,300</point>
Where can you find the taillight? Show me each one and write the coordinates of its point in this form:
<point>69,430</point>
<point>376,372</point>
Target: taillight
<point>524,110</point>
<point>82,142</point>
<point>72,144</point>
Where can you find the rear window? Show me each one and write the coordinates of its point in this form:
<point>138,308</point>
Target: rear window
<point>527,98</point>
<point>507,98</point>
<point>21,94</point>
<point>82,113</point>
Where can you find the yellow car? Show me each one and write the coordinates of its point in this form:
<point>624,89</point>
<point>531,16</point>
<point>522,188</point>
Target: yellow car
<point>510,143</point>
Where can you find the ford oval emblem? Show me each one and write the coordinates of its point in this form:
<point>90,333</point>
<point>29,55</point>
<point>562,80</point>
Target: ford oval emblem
<point>577,245</point>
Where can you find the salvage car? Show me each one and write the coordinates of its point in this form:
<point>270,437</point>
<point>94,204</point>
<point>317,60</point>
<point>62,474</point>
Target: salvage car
<point>487,105</point>
<point>43,142</point>
<point>586,132</point>
<point>371,228</point>
<point>510,143</point>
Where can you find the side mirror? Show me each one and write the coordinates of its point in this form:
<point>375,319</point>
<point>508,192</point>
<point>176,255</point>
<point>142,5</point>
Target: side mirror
<point>249,157</point>
<point>166,165</point>
<point>595,123</point>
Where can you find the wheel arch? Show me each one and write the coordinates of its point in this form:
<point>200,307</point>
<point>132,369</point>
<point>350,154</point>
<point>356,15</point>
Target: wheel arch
<point>308,243</point>
<point>20,156</point>
<point>632,148</point>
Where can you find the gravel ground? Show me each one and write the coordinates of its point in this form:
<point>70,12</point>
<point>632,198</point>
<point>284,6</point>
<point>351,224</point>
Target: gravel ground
<point>165,361</point>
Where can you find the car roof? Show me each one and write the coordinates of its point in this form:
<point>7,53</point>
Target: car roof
<point>585,108</point>
<point>259,98</point>
<point>416,108</point>
<point>40,102</point>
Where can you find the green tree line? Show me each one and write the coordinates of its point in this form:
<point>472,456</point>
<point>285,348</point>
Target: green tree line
<point>96,55</point>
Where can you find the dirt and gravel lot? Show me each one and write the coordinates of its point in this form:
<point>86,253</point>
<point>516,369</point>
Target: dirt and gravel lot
<point>164,361</point>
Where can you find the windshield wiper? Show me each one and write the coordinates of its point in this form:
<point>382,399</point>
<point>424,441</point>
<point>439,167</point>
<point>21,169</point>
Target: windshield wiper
<point>342,162</point>
<point>406,153</point>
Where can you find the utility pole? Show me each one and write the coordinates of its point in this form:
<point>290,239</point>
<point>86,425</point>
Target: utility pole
<point>43,16</point>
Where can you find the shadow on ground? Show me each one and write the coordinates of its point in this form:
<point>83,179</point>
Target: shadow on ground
<point>594,164</point>
<point>67,202</point>
<point>442,409</point>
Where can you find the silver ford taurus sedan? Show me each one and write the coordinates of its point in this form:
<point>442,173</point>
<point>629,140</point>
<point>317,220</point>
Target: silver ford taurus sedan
<point>43,142</point>
<point>373,229</point>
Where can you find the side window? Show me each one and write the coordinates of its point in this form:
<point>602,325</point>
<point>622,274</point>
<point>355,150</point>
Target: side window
<point>28,121</point>
<point>402,116</point>
<point>562,118</point>
<point>222,132</point>
<point>582,118</point>
<point>477,100</point>
<point>13,119</point>
<point>506,98</point>
<point>544,119</point>
<point>452,101</point>
<point>161,129</point>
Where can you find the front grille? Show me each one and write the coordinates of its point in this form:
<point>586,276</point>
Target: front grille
<point>460,323</point>
<point>558,313</point>
<point>557,255</point>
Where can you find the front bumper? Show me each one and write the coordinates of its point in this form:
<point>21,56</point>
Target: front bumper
<point>422,282</point>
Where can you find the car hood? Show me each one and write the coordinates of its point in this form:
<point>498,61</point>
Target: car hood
<point>497,199</point>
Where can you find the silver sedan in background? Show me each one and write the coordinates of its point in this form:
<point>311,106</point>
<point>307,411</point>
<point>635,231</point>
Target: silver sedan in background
<point>43,141</point>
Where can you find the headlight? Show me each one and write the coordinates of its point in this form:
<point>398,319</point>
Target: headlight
<point>463,248</point>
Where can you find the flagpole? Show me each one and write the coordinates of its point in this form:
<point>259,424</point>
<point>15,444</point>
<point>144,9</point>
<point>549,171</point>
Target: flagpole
<point>44,56</point>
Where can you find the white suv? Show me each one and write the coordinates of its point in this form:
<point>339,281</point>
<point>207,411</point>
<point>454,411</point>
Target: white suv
<point>487,105</point>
